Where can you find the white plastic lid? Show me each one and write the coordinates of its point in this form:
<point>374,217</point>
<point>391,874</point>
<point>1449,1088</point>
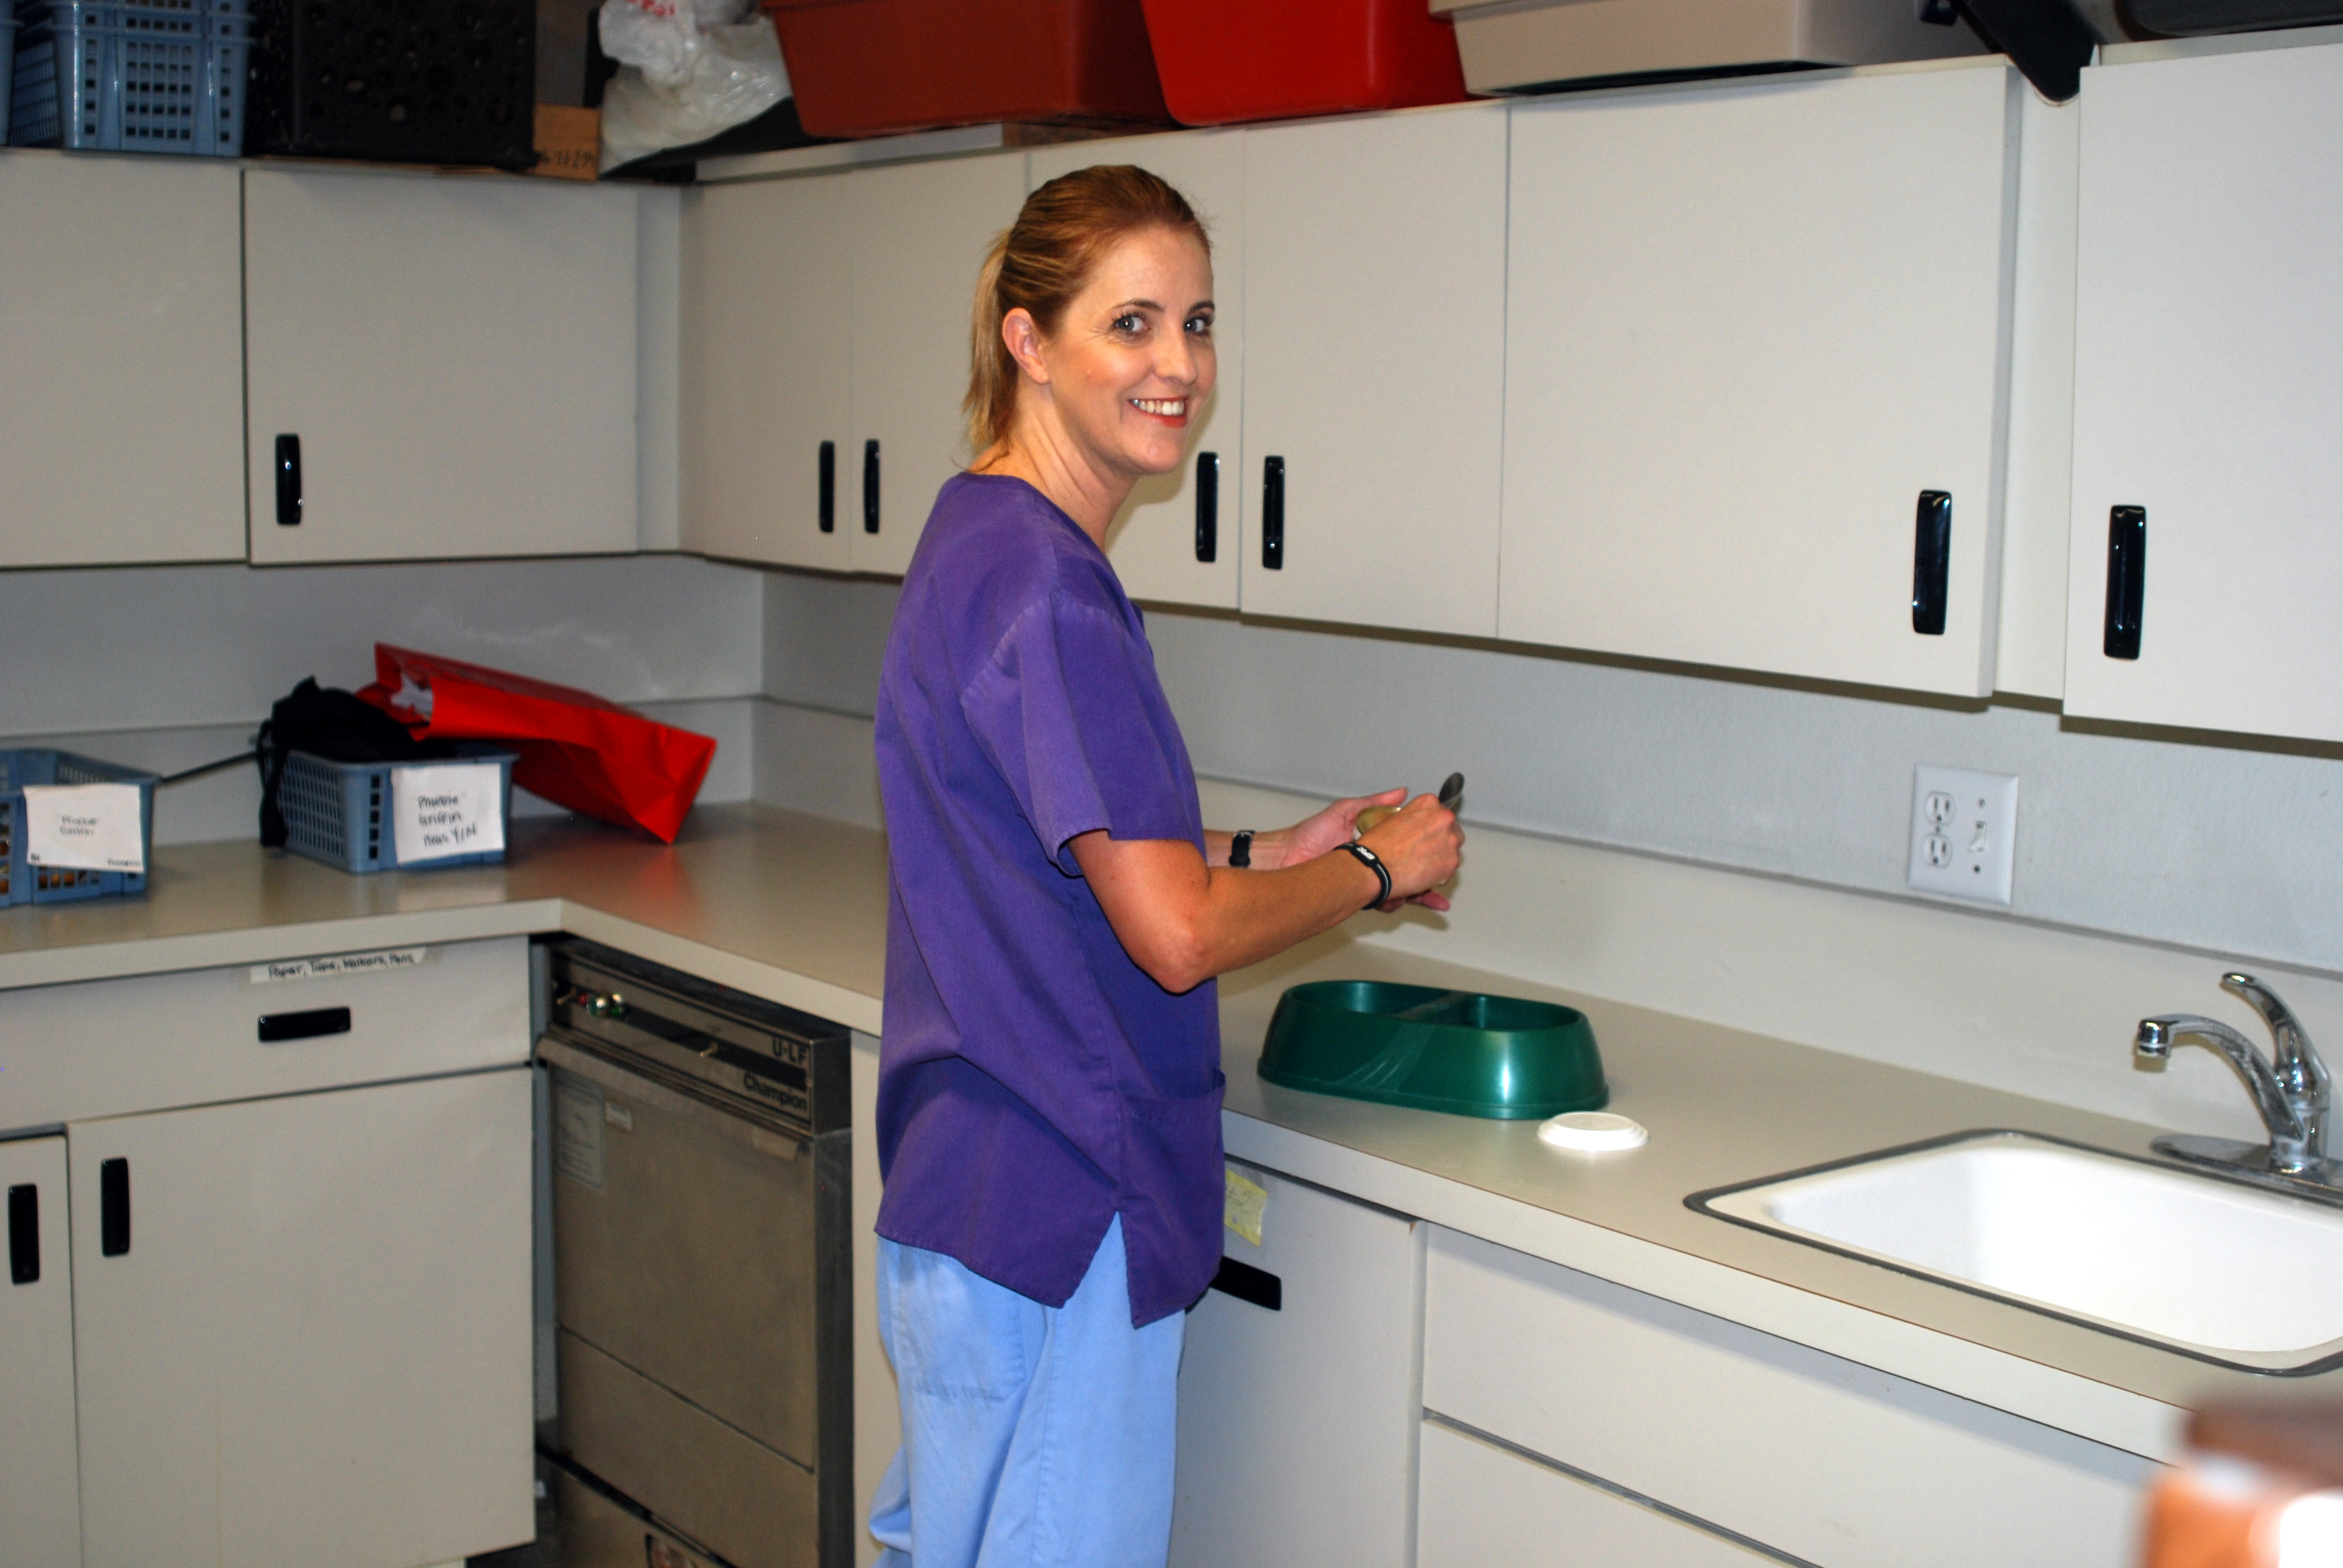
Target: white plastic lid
<point>1592,1132</point>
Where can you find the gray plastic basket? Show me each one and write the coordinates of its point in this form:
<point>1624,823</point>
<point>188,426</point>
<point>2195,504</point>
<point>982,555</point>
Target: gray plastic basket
<point>22,883</point>
<point>339,812</point>
<point>152,77</point>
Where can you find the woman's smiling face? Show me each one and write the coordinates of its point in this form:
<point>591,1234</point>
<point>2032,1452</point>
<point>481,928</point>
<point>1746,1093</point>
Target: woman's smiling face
<point>1131,361</point>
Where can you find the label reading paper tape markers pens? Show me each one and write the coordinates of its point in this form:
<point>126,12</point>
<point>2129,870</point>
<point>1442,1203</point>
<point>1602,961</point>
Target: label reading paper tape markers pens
<point>448,809</point>
<point>85,827</point>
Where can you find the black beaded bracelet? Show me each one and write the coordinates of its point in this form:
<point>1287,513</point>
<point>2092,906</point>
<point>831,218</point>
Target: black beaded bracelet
<point>1372,862</point>
<point>1241,848</point>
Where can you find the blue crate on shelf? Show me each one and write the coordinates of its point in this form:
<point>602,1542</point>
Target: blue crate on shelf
<point>22,883</point>
<point>339,812</point>
<point>155,76</point>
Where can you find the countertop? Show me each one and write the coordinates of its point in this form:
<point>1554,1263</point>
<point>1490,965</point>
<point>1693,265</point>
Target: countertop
<point>793,907</point>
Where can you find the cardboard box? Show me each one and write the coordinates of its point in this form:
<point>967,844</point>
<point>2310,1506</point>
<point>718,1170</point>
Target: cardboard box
<point>568,142</point>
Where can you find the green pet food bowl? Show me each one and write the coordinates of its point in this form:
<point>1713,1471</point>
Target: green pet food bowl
<point>1459,1051</point>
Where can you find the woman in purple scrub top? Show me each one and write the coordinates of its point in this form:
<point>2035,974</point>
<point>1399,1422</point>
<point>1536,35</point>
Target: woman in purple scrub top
<point>1050,1084</point>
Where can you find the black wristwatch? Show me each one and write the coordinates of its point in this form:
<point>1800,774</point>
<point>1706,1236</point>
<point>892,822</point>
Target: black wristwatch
<point>1241,848</point>
<point>1372,862</point>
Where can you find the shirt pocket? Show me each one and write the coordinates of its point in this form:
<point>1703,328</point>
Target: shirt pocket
<point>1172,1182</point>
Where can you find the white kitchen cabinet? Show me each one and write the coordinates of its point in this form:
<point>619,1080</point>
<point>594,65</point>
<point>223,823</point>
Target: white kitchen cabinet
<point>121,415</point>
<point>1297,1421</point>
<point>1749,325</point>
<point>302,1327</point>
<point>1181,536</point>
<point>768,270</point>
<point>920,232</point>
<point>1830,1461</point>
<point>456,357</point>
<point>1374,299</point>
<point>2208,389</point>
<point>40,1509</point>
<point>1480,1504</point>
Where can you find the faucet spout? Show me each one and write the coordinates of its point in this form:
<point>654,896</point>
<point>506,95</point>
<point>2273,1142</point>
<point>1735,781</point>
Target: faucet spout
<point>2289,1140</point>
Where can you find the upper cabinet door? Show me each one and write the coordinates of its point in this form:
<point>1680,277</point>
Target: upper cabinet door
<point>920,231</point>
<point>2208,396</point>
<point>1180,537</point>
<point>1374,322</point>
<point>456,358</point>
<point>765,287</point>
<point>121,413</point>
<point>1749,327</point>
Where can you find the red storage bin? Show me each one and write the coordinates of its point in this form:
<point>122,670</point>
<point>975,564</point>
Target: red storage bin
<point>871,67</point>
<point>1223,61</point>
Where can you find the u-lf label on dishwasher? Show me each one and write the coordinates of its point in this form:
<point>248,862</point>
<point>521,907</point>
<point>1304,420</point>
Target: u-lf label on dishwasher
<point>578,1129</point>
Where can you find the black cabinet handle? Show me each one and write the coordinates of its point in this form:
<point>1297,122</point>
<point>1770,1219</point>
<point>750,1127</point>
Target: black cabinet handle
<point>1208,505</point>
<point>1932,561</point>
<point>826,507</point>
<point>1272,514</point>
<point>870,486</point>
<point>1247,1283</point>
<point>24,1234</point>
<point>113,1207</point>
<point>276,1027</point>
<point>288,481</point>
<point>2127,580</point>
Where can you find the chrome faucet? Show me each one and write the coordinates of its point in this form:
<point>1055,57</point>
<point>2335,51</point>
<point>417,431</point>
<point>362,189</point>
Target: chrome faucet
<point>2291,1090</point>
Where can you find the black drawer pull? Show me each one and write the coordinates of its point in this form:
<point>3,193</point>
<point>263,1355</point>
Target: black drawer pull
<point>113,1207</point>
<point>2127,580</point>
<point>275,1027</point>
<point>1273,513</point>
<point>1247,1283</point>
<point>25,1235</point>
<point>870,485</point>
<point>826,506</point>
<point>288,481</point>
<point>1932,561</point>
<point>1208,507</point>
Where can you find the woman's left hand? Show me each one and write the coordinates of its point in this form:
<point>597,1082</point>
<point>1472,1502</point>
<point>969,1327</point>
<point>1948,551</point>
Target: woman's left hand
<point>1317,833</point>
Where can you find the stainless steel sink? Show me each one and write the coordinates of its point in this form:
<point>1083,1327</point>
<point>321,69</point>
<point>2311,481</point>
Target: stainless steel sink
<point>2214,1268</point>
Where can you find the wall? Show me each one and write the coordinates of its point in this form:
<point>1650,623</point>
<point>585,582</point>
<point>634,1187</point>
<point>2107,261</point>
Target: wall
<point>168,667</point>
<point>1729,849</point>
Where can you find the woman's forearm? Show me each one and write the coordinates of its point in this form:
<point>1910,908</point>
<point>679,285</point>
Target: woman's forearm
<point>1184,921</point>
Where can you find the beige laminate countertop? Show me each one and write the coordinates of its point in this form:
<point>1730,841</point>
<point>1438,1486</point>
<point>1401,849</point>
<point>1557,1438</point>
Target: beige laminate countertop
<point>793,907</point>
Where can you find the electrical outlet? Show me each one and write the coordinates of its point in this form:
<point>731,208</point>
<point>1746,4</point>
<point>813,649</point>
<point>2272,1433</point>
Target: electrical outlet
<point>1964,832</point>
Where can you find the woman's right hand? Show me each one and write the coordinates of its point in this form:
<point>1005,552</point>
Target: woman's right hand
<point>1420,845</point>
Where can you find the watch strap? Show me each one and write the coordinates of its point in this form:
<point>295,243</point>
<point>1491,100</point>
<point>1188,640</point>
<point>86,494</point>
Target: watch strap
<point>1372,862</point>
<point>1241,848</point>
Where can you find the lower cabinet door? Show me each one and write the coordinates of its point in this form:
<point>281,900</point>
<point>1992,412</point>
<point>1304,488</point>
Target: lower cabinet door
<point>1481,1503</point>
<point>1298,1400</point>
<point>40,1502</point>
<point>302,1327</point>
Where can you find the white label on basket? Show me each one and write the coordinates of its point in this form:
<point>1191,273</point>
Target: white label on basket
<point>340,964</point>
<point>448,809</point>
<point>85,827</point>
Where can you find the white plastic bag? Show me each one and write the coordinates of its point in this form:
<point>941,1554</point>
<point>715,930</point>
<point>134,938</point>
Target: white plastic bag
<point>687,70</point>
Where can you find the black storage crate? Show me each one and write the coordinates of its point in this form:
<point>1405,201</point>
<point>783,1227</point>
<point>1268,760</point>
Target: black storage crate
<point>395,81</point>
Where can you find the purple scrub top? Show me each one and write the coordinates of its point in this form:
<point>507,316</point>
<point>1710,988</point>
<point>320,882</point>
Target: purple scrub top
<point>1033,1081</point>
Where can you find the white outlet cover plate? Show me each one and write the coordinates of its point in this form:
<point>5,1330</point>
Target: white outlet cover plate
<point>1963,833</point>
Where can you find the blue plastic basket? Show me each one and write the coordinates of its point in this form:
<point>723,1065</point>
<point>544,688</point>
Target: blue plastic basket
<point>21,882</point>
<point>339,812</point>
<point>157,77</point>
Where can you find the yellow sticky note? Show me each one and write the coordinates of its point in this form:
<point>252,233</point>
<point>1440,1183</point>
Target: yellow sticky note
<point>1246,1201</point>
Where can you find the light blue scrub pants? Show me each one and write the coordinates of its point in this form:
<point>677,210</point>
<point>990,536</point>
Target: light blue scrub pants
<point>1033,1436</point>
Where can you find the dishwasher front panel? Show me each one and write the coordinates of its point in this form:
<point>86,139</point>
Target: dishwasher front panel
<point>685,1251</point>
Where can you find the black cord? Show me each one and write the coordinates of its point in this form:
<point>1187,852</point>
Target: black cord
<point>209,767</point>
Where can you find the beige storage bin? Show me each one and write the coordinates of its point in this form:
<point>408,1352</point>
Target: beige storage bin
<point>1535,46</point>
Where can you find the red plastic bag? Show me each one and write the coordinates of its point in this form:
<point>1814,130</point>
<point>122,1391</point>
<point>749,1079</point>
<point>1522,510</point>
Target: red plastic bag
<point>575,749</point>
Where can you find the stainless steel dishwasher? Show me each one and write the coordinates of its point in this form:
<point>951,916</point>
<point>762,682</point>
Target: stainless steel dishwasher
<point>702,1271</point>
